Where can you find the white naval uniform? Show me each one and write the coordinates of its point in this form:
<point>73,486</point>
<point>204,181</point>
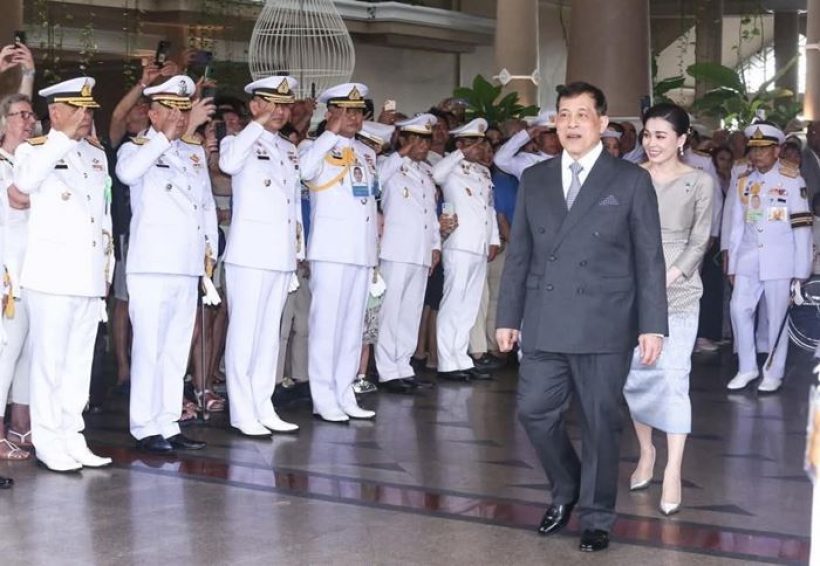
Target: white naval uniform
<point>174,219</point>
<point>511,160</point>
<point>704,162</point>
<point>468,187</point>
<point>15,357</point>
<point>68,263</point>
<point>260,259</point>
<point>765,253</point>
<point>342,249</point>
<point>410,234</point>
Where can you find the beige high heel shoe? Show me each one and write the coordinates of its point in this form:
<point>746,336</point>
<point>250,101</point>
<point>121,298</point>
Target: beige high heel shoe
<point>636,484</point>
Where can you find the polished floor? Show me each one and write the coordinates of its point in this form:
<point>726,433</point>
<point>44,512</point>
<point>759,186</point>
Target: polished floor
<point>446,476</point>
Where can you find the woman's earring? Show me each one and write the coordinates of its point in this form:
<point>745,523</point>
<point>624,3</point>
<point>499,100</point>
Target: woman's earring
<point>680,150</point>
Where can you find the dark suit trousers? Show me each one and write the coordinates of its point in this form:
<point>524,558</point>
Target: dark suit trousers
<point>710,324</point>
<point>545,387</point>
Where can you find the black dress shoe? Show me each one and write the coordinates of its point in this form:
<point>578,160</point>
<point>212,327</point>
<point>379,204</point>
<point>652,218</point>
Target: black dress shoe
<point>396,386</point>
<point>555,519</point>
<point>490,363</point>
<point>479,374</point>
<point>593,541</point>
<point>6,483</point>
<point>418,364</point>
<point>454,375</point>
<point>422,383</point>
<point>182,442</point>
<point>154,444</point>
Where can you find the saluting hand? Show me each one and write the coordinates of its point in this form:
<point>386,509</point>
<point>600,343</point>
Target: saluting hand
<point>172,126</point>
<point>74,122</point>
<point>334,120</point>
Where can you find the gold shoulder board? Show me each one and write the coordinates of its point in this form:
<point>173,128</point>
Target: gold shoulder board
<point>190,140</point>
<point>40,140</point>
<point>789,170</point>
<point>139,140</point>
<point>94,142</point>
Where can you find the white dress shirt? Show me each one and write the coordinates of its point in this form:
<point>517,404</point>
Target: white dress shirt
<point>586,162</point>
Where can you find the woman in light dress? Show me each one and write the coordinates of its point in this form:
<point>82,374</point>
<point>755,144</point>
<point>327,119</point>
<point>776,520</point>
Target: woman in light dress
<point>658,395</point>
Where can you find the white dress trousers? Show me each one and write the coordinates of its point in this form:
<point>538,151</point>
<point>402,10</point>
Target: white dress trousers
<point>748,291</point>
<point>339,299</point>
<point>399,318</point>
<point>256,298</point>
<point>163,312</point>
<point>63,332</point>
<point>464,277</point>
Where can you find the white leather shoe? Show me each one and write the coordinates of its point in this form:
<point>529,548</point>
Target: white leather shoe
<point>332,416</point>
<point>88,459</point>
<point>769,384</point>
<point>741,380</point>
<point>356,412</point>
<point>255,430</point>
<point>59,462</point>
<point>278,425</point>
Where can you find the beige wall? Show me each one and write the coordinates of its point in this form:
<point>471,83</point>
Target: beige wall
<point>415,79</point>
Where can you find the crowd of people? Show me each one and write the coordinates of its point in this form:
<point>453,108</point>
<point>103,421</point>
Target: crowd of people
<point>234,242</point>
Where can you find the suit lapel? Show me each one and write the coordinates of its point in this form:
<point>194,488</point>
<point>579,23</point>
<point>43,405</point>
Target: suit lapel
<point>556,203</point>
<point>596,181</point>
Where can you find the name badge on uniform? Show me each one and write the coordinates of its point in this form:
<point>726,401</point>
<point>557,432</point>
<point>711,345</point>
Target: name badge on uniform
<point>777,214</point>
<point>162,164</point>
<point>358,182</point>
<point>61,165</point>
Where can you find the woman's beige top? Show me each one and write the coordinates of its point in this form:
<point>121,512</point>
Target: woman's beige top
<point>685,207</point>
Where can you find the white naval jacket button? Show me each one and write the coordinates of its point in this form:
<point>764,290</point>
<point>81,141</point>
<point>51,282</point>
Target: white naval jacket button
<point>168,187</point>
<point>93,244</point>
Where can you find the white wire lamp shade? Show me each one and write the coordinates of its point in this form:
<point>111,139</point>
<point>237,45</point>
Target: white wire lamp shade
<point>303,38</point>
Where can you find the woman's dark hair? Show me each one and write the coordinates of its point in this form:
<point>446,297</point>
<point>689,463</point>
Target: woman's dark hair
<point>672,113</point>
<point>577,89</point>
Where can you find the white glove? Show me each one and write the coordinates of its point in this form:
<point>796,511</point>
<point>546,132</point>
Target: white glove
<point>293,286</point>
<point>211,297</point>
<point>797,293</point>
<point>377,285</point>
<point>103,311</point>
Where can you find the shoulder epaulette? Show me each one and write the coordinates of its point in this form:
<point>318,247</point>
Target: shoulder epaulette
<point>94,142</point>
<point>789,170</point>
<point>40,140</point>
<point>139,140</point>
<point>703,153</point>
<point>190,140</point>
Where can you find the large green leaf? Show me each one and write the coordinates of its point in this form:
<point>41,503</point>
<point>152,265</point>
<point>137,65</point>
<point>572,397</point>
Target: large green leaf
<point>671,83</point>
<point>719,75</point>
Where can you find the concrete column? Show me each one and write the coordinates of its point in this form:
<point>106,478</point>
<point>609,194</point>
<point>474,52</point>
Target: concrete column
<point>609,47</point>
<point>786,38</point>
<point>811,101</point>
<point>708,37</point>
<point>12,20</point>
<point>516,45</point>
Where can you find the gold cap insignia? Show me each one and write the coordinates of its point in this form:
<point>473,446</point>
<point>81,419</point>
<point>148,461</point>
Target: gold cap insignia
<point>183,88</point>
<point>758,135</point>
<point>354,94</point>
<point>284,87</point>
<point>86,90</point>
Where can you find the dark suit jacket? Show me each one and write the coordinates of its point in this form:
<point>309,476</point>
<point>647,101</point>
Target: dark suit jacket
<point>591,279</point>
<point>810,171</point>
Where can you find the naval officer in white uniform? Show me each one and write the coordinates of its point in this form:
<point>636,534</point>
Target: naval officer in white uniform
<point>265,242</point>
<point>467,188</point>
<point>410,249</point>
<point>67,268</point>
<point>770,247</point>
<point>173,238</point>
<point>531,145</point>
<point>341,174</point>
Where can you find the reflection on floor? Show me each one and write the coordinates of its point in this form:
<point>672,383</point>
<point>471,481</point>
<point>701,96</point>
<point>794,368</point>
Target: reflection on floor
<point>444,476</point>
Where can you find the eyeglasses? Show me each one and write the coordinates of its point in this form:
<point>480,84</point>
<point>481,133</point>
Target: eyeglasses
<point>24,114</point>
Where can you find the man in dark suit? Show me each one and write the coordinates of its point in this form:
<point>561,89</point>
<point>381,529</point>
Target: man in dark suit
<point>810,162</point>
<point>584,283</point>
